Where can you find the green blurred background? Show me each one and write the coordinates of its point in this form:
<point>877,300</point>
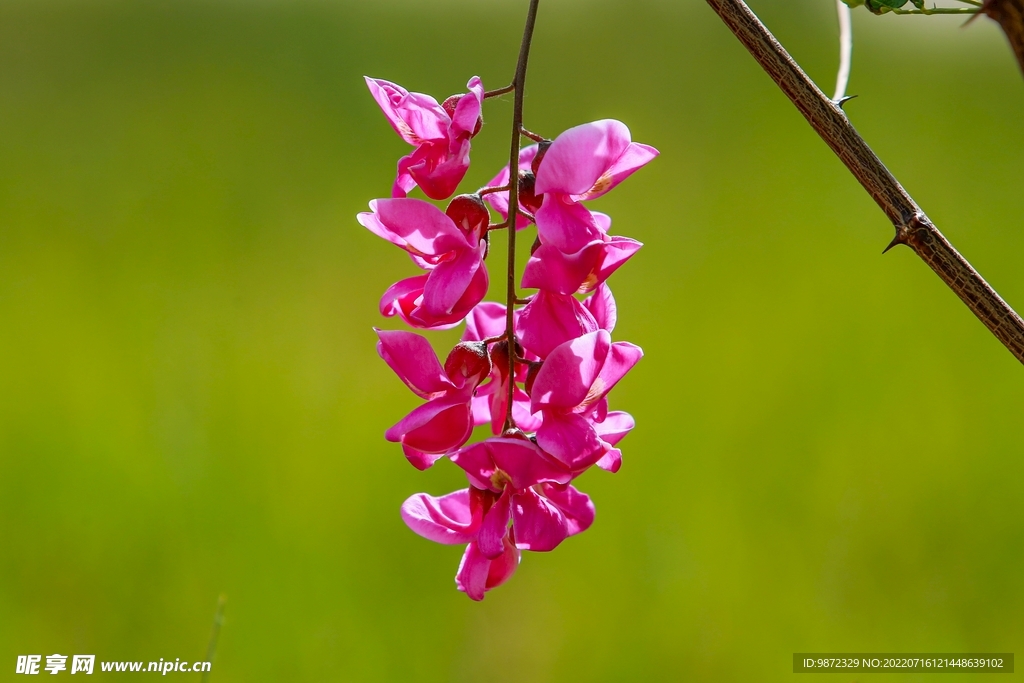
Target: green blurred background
<point>829,449</point>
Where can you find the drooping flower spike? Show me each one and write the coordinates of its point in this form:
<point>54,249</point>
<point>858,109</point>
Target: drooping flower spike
<point>551,355</point>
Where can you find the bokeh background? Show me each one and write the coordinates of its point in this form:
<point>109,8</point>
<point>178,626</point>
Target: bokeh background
<point>829,448</point>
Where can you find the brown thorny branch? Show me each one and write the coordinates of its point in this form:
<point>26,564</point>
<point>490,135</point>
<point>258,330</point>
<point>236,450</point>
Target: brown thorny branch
<point>913,228</point>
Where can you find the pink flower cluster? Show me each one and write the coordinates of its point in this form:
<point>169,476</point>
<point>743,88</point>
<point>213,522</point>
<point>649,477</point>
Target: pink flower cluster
<point>563,363</point>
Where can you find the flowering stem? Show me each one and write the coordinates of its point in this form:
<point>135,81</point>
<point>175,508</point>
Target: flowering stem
<point>499,91</point>
<point>519,83</point>
<point>913,228</point>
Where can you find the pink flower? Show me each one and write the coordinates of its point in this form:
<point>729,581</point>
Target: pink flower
<point>454,519</point>
<point>449,245</point>
<point>569,392</point>
<point>444,422</point>
<point>583,163</point>
<point>531,491</point>
<point>487,320</point>
<point>601,305</point>
<point>441,134</point>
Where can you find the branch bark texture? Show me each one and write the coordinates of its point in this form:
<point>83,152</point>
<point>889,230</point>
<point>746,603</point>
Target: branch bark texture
<point>1010,15</point>
<point>913,228</point>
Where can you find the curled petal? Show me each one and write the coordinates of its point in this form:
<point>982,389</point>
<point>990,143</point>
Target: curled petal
<point>611,461</point>
<point>540,526</point>
<point>570,439</point>
<point>565,224</point>
<point>403,298</point>
<point>601,305</point>
<point>449,519</point>
<point>438,169</point>
<point>581,155</point>
<point>554,271</point>
<point>421,316</point>
<point>467,111</point>
<point>419,459</point>
<point>621,360</point>
<point>487,319</point>
<point>633,159</point>
<point>417,226</point>
<point>494,527</point>
<point>413,360</point>
<point>615,426</point>
<point>438,426</point>
<point>448,282</point>
<point>552,319</point>
<point>477,574</point>
<point>576,506</point>
<point>570,372</point>
<point>414,116</point>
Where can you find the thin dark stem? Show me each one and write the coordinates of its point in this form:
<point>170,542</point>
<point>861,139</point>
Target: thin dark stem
<point>532,136</point>
<point>519,82</point>
<point>499,91</point>
<point>913,228</point>
<point>489,190</point>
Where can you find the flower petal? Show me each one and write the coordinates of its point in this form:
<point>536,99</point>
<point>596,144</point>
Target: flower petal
<point>438,426</point>
<point>499,200</point>
<point>414,225</point>
<point>633,159</point>
<point>569,371</point>
<point>449,519</point>
<point>414,116</point>
<point>602,306</point>
<point>494,527</point>
<point>413,360</point>
<point>615,426</point>
<point>621,360</point>
<point>570,439</point>
<point>540,526</point>
<point>577,507</point>
<point>565,224</point>
<point>487,319</point>
<point>448,282</point>
<point>581,155</point>
<point>467,111</point>
<point>553,319</point>
<point>477,574</point>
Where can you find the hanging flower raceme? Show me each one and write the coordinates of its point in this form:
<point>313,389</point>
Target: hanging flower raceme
<point>440,133</point>
<point>553,357</point>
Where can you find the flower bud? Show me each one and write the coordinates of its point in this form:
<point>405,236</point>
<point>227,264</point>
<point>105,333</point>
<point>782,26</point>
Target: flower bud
<point>469,212</point>
<point>452,102</point>
<point>542,149</point>
<point>527,199</point>
<point>468,364</point>
<point>531,375</point>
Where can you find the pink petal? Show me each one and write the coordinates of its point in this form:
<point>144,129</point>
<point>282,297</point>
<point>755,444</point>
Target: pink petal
<point>414,225</point>
<point>467,111</point>
<point>439,426</point>
<point>414,116</point>
<point>634,158</point>
<point>602,305</point>
<point>576,506</point>
<point>402,298</point>
<point>565,224</point>
<point>494,527</point>
<point>621,360</point>
<point>611,461</point>
<point>419,459</point>
<point>448,519</point>
<point>552,319</point>
<point>413,360</point>
<point>438,169</point>
<point>569,372</point>
<point>492,463</point>
<point>540,526</point>
<point>570,439</point>
<point>615,426</point>
<point>487,319</point>
<point>581,155</point>
<point>421,317</point>
<point>477,574</point>
<point>448,282</point>
<point>553,271</point>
